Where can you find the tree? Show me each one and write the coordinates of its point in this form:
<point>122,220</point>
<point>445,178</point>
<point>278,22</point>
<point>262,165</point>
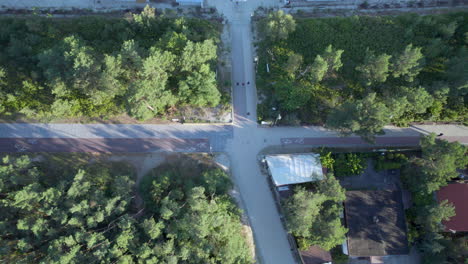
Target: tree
<point>409,100</point>
<point>301,210</point>
<point>313,217</point>
<point>375,68</point>
<point>438,164</point>
<point>86,216</point>
<point>145,18</point>
<point>200,88</point>
<point>149,96</point>
<point>293,64</point>
<point>196,54</point>
<point>58,222</point>
<point>318,69</point>
<point>408,64</point>
<point>74,64</point>
<point>3,94</point>
<point>429,218</point>
<point>418,99</point>
<point>277,25</point>
<point>333,58</point>
<point>328,231</point>
<point>365,118</point>
<point>128,61</point>
<point>200,225</point>
<point>330,187</point>
<point>457,71</point>
<point>291,95</point>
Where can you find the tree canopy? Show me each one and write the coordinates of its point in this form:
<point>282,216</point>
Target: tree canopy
<point>414,67</point>
<point>67,215</point>
<point>104,67</point>
<point>423,176</point>
<point>313,216</point>
<point>437,166</point>
<point>364,117</point>
<point>375,68</point>
<point>278,25</point>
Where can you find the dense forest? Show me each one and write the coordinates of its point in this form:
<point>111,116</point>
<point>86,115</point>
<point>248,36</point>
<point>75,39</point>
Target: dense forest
<point>72,210</point>
<point>356,74</point>
<point>142,65</point>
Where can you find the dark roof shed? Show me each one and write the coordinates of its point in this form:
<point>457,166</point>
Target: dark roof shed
<point>376,223</point>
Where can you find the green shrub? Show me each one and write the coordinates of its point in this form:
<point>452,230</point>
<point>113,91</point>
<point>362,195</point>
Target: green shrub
<point>327,160</point>
<point>337,255</point>
<point>349,164</point>
<point>390,161</point>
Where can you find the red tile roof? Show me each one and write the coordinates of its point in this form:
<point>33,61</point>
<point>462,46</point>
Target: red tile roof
<point>456,194</point>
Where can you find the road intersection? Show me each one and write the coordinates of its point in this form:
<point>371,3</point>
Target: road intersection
<point>242,140</point>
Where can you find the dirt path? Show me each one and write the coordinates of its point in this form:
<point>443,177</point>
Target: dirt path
<point>143,163</point>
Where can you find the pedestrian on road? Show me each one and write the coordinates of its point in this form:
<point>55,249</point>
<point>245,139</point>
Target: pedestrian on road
<point>248,82</point>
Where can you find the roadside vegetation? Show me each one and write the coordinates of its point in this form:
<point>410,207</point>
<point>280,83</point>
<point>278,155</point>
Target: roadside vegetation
<point>145,65</point>
<point>422,173</point>
<point>423,176</point>
<point>357,74</point>
<point>313,214</point>
<point>83,210</point>
<point>344,164</point>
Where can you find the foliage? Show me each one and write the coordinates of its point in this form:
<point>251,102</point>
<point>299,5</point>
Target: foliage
<point>349,164</point>
<point>428,219</point>
<point>390,161</point>
<point>86,216</point>
<point>103,67</point>
<point>423,176</point>
<point>375,68</point>
<point>327,160</point>
<point>365,118</point>
<point>438,164</point>
<point>313,216</point>
<point>413,67</point>
<point>408,64</point>
<point>277,25</point>
<point>337,255</point>
<point>63,221</point>
<point>201,222</point>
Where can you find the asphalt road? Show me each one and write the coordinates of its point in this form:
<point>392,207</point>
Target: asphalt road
<point>103,145</point>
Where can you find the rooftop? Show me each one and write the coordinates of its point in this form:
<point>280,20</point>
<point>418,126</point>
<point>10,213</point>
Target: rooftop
<point>456,194</point>
<point>315,255</point>
<point>294,168</point>
<point>376,223</point>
